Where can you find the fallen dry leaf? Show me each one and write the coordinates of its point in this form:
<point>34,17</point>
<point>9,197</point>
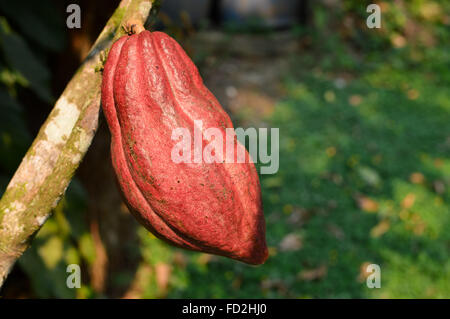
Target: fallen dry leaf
<point>417,224</point>
<point>335,231</point>
<point>299,216</point>
<point>367,204</point>
<point>313,274</point>
<point>419,228</point>
<point>413,94</point>
<point>398,41</point>
<point>291,242</point>
<point>363,273</point>
<point>163,272</point>
<point>355,100</point>
<point>381,228</point>
<point>408,201</point>
<point>271,284</point>
<point>417,178</point>
<point>439,187</point>
<point>255,102</point>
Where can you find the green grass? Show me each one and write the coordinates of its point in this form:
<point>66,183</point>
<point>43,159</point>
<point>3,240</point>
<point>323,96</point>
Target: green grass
<point>392,148</point>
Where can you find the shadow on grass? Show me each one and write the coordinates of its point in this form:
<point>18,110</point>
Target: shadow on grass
<point>364,178</point>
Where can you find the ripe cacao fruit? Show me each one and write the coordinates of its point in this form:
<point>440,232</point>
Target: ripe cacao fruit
<point>150,87</point>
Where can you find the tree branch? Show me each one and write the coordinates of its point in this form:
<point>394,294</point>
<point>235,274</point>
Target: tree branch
<point>47,168</point>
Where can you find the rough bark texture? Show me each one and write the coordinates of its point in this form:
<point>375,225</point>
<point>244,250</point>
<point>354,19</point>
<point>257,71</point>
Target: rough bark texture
<point>47,168</point>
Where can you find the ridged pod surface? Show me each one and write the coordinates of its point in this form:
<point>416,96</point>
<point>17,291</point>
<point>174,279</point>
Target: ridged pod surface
<point>151,87</point>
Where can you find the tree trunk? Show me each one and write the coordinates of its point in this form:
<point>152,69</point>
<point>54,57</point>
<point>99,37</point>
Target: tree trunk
<point>50,163</point>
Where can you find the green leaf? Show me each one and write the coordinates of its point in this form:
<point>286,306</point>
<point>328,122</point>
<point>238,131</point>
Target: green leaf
<point>14,136</point>
<point>51,252</point>
<point>40,21</point>
<point>21,58</point>
<point>87,248</point>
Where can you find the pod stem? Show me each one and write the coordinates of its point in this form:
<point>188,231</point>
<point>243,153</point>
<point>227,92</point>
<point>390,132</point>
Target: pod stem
<point>133,26</point>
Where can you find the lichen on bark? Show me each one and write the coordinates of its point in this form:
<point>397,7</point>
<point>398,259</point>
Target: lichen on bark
<point>46,170</point>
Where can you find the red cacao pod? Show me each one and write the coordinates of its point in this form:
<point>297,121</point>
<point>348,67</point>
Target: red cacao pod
<point>150,87</point>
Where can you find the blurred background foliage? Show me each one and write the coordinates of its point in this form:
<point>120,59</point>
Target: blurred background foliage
<point>364,146</point>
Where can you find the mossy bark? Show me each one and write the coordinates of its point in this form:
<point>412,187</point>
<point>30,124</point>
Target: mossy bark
<point>46,170</point>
